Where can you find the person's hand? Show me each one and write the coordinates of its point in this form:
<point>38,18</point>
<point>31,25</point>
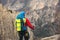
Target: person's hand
<point>33,27</point>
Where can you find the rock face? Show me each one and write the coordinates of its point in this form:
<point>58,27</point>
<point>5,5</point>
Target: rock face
<point>7,30</point>
<point>44,14</point>
<point>54,37</point>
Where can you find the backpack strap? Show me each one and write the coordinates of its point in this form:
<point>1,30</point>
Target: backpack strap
<point>23,21</point>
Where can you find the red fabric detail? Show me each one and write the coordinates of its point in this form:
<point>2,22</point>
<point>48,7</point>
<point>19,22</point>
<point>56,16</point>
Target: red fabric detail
<point>29,24</point>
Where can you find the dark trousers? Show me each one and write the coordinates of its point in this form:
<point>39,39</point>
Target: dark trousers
<point>24,34</point>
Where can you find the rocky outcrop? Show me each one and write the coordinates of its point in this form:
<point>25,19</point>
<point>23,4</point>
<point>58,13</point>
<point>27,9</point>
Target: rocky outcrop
<point>44,14</point>
<point>54,37</point>
<point>7,30</point>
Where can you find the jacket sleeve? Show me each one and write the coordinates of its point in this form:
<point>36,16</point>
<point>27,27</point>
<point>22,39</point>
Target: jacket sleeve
<point>29,24</point>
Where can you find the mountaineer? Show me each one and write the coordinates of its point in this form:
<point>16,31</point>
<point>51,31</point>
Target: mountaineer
<point>21,25</point>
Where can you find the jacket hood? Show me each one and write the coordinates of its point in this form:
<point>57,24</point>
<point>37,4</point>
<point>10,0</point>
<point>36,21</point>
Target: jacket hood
<point>21,15</point>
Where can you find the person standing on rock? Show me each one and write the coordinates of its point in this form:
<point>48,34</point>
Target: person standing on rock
<point>21,25</point>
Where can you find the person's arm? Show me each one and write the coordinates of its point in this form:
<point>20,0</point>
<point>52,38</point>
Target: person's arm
<point>29,24</point>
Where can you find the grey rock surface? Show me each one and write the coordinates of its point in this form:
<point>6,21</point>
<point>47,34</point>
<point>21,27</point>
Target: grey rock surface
<point>44,14</point>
